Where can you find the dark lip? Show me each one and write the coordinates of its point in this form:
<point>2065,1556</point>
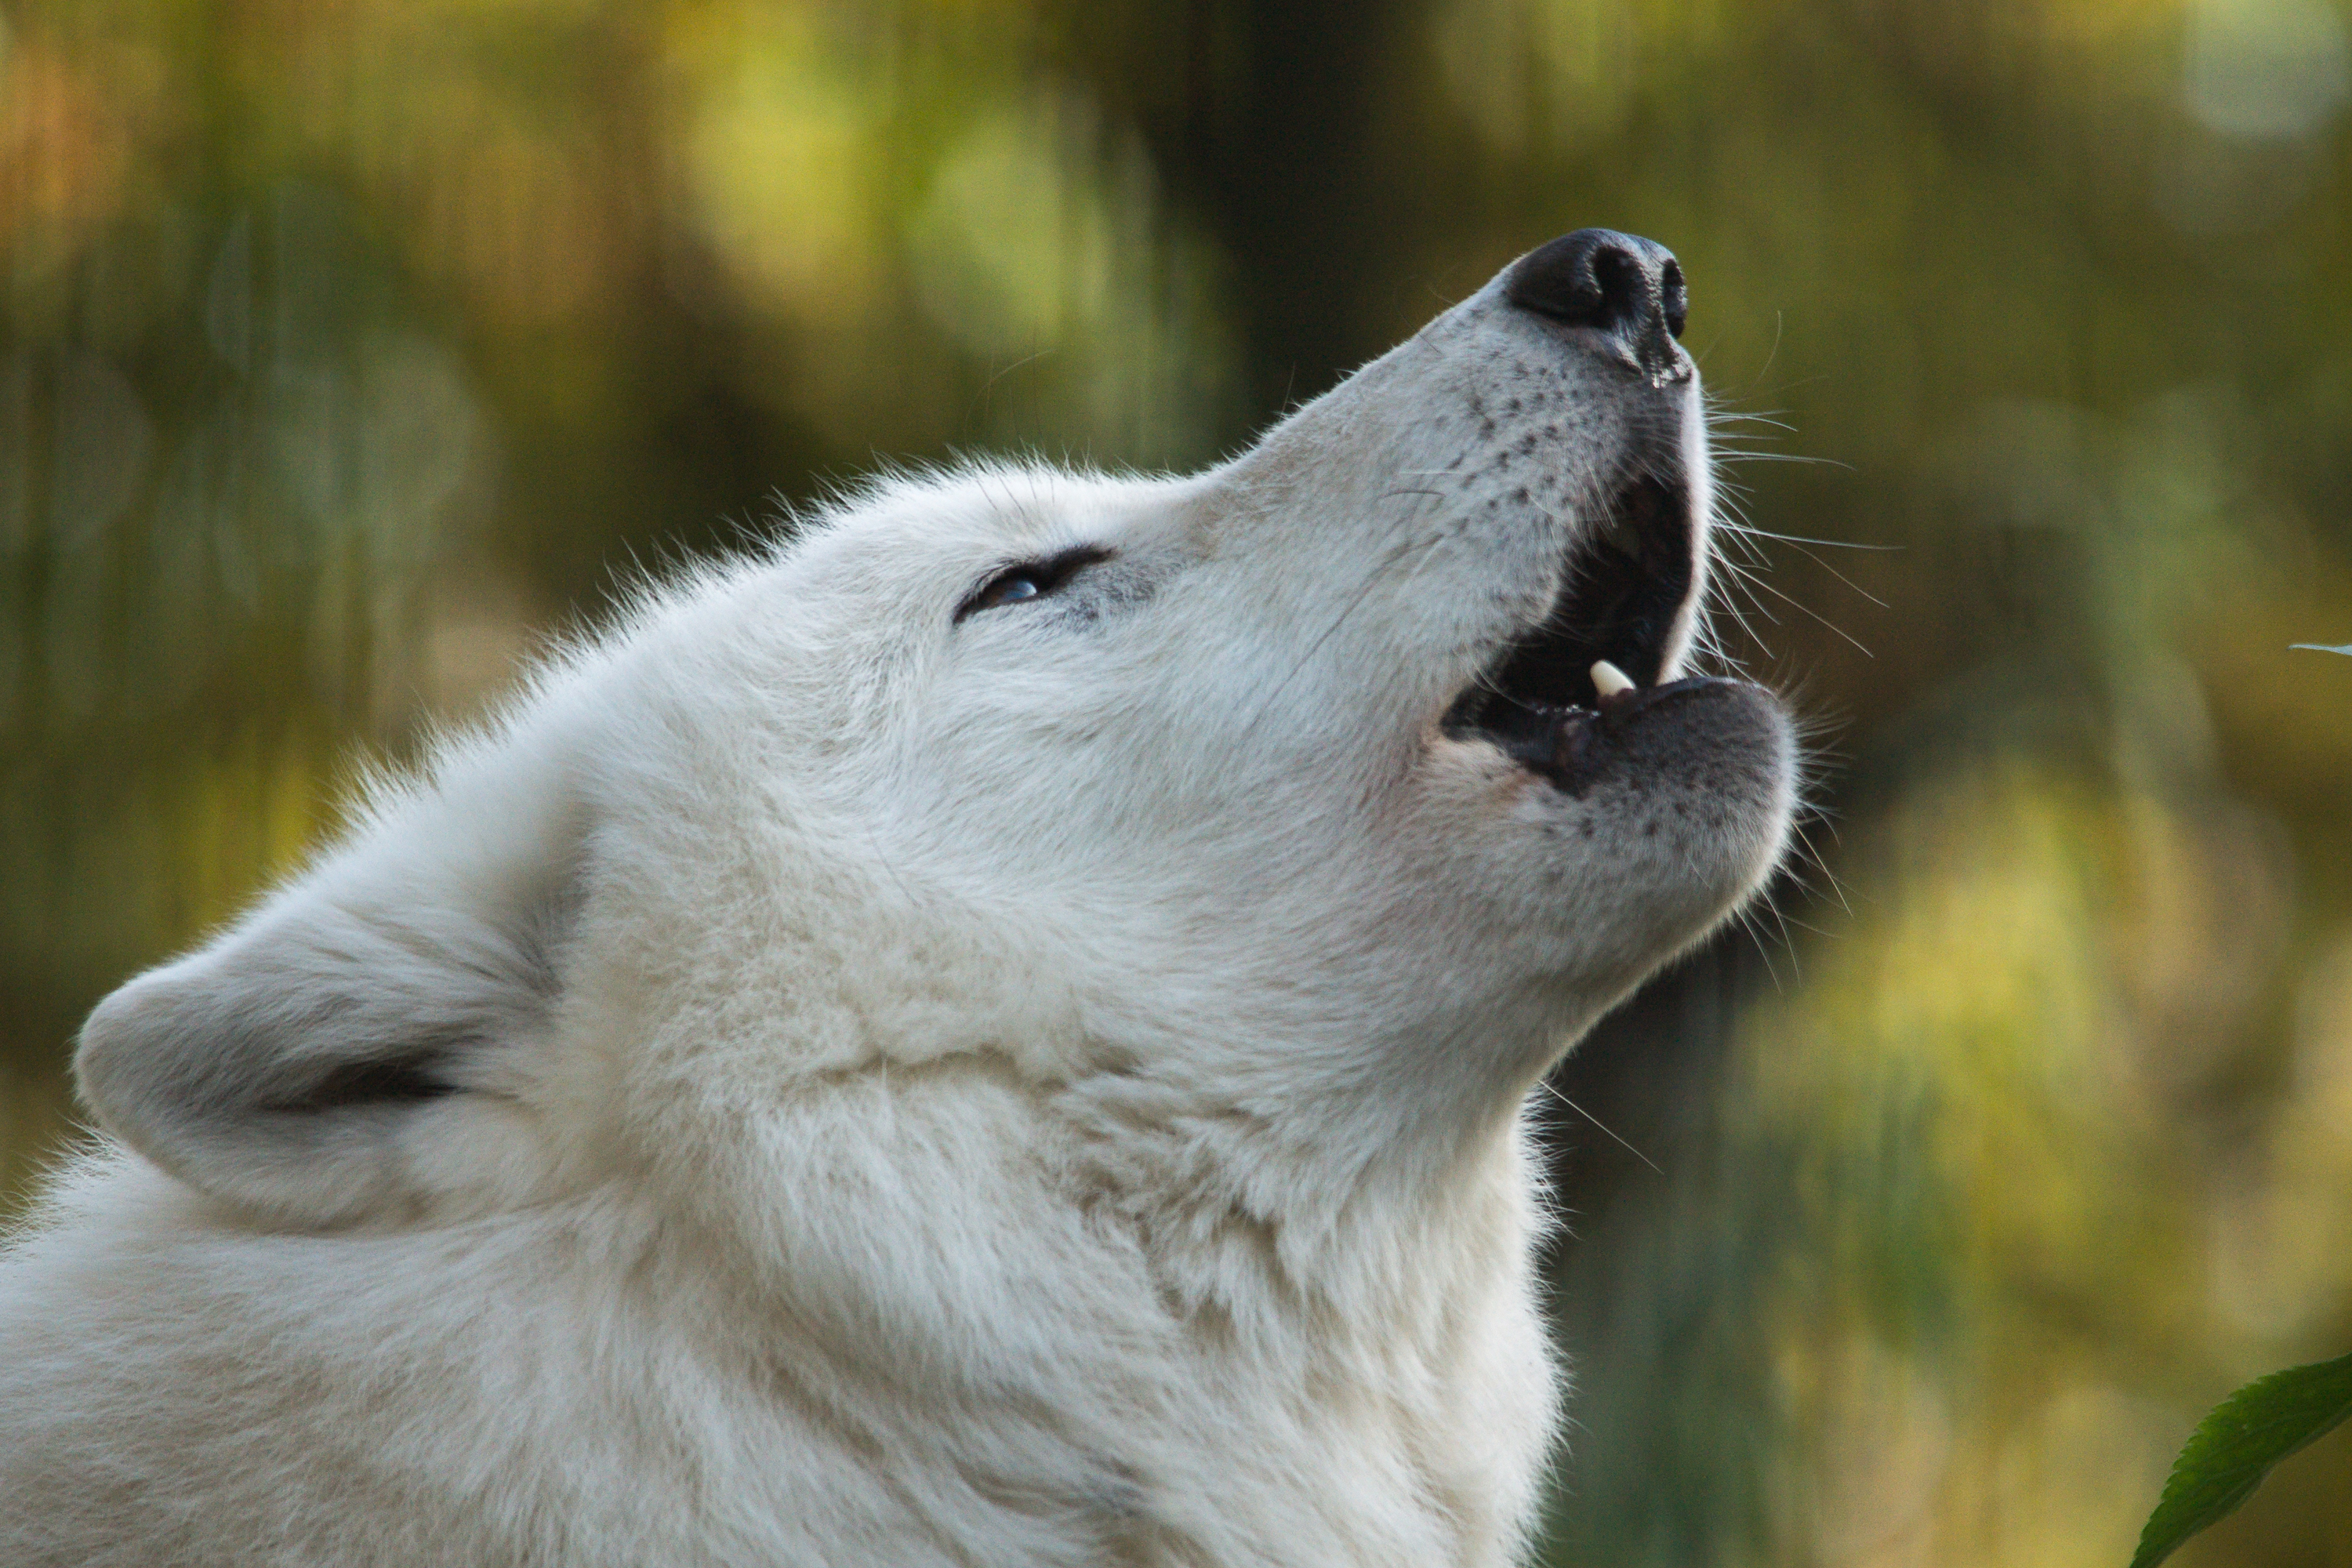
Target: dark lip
<point>1627,580</point>
<point>1570,747</point>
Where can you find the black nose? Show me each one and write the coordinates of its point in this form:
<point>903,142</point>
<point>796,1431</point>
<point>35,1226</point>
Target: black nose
<point>1621,284</point>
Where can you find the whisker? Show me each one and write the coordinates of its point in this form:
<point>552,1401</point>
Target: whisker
<point>1602,1125</point>
<point>1837,889</point>
<point>1788,942</point>
<point>1735,454</point>
<point>1719,417</point>
<point>1779,322</point>
<point>1748,582</point>
<point>1817,615</point>
<point>1816,561</point>
<point>1748,924</point>
<point>1743,526</point>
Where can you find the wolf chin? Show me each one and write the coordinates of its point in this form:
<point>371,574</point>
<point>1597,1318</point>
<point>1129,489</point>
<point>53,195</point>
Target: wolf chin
<point>993,1032</point>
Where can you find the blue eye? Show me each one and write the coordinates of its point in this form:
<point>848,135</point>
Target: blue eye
<point>1005,590</point>
<point>1030,579</point>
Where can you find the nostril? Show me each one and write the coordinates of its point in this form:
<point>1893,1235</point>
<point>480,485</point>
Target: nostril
<point>1621,284</point>
<point>1618,288</point>
<point>1674,296</point>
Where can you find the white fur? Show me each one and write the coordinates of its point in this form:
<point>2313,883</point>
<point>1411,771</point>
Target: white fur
<point>1041,1088</point>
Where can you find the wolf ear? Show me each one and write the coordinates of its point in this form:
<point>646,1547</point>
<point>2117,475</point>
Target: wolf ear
<point>316,1061</point>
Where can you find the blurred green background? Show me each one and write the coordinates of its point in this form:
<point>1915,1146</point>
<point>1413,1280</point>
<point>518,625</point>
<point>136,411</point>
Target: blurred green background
<point>350,347</point>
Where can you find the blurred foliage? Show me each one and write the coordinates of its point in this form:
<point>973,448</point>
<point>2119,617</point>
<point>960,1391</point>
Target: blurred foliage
<point>346,348</point>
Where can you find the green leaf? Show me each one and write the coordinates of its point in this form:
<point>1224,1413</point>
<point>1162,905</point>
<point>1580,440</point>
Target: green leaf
<point>2323,648</point>
<point>2235,1448</point>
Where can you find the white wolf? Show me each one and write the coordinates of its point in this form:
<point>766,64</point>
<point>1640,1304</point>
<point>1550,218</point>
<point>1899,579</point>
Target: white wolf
<point>993,1033</point>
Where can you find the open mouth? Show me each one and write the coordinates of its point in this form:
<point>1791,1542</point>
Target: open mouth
<point>1627,580</point>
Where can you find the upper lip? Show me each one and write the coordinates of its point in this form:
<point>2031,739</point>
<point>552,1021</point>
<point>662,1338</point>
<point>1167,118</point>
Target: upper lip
<point>1626,581</point>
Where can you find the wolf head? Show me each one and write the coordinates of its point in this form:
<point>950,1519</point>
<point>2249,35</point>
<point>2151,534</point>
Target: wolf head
<point>1283,793</point>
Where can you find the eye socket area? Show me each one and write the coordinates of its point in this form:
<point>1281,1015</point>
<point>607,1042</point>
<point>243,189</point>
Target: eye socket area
<point>1026,580</point>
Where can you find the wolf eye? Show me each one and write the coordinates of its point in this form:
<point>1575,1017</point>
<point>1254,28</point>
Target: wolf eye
<point>1006,588</point>
<point>1030,579</point>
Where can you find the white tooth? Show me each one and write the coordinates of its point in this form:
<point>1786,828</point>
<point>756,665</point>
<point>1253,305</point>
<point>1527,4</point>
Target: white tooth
<point>1608,679</point>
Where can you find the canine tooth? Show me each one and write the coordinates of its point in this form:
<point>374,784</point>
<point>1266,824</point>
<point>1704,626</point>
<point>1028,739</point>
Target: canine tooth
<point>1608,679</point>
